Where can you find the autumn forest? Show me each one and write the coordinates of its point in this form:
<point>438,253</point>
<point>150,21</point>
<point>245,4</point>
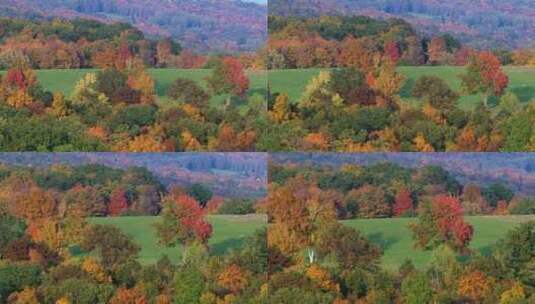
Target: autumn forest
<point>267,152</point>
<point>334,221</point>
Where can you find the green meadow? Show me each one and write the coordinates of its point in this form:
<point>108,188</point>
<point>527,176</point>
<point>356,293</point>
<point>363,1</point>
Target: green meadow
<point>229,232</point>
<point>65,81</point>
<point>394,236</point>
<point>522,82</point>
<point>293,82</point>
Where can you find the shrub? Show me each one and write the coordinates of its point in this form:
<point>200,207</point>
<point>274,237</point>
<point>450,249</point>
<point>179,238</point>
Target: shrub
<point>45,134</point>
<point>188,91</point>
<point>522,206</point>
<point>109,81</point>
<point>416,289</point>
<point>200,193</point>
<point>127,95</point>
<point>16,276</point>
<point>132,117</point>
<point>237,206</point>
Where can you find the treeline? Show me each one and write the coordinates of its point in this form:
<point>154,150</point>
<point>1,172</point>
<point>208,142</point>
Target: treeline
<point>98,191</point>
<point>89,190</point>
<point>505,24</point>
<point>465,166</point>
<point>494,24</point>
<point>115,109</point>
<point>360,109</point>
<point>389,190</point>
<point>315,258</point>
<point>80,43</point>
<point>337,41</point>
<point>203,25</point>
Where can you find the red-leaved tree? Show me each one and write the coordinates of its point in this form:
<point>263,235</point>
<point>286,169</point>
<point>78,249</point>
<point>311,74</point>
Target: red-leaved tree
<point>16,77</point>
<point>228,77</point>
<point>124,55</point>
<point>485,75</point>
<point>403,203</point>
<point>440,221</point>
<point>392,51</point>
<point>235,74</point>
<point>20,78</point>
<point>118,202</point>
<point>183,222</point>
<point>450,223</point>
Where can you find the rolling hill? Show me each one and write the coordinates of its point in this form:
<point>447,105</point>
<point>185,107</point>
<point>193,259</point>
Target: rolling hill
<point>481,24</point>
<point>205,25</point>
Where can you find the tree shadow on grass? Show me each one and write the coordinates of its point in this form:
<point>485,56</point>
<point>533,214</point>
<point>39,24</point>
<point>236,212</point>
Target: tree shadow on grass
<point>76,250</point>
<point>257,91</point>
<point>406,90</point>
<point>486,250</point>
<point>381,240</point>
<point>223,247</point>
<point>493,101</point>
<point>237,101</point>
<point>483,251</point>
<point>524,93</point>
<point>161,88</point>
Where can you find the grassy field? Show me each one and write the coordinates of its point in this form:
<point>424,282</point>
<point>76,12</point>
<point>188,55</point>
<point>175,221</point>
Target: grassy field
<point>293,82</point>
<point>228,232</point>
<point>395,237</point>
<point>65,80</point>
<point>522,82</point>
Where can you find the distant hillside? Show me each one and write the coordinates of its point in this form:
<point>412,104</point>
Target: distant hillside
<point>515,169</point>
<point>204,25</point>
<point>228,174</point>
<point>481,23</point>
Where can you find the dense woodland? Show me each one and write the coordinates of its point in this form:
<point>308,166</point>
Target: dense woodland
<point>339,41</point>
<point>514,170</point>
<point>51,253</point>
<point>226,174</point>
<point>357,106</point>
<point>82,43</point>
<point>482,24</point>
<point>342,41</point>
<point>203,25</point>
<point>315,258</point>
<point>389,190</point>
<point>96,190</point>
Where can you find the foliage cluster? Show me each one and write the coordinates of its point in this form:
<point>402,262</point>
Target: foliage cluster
<point>116,109</point>
<point>360,109</point>
<point>315,258</point>
<point>389,190</point>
